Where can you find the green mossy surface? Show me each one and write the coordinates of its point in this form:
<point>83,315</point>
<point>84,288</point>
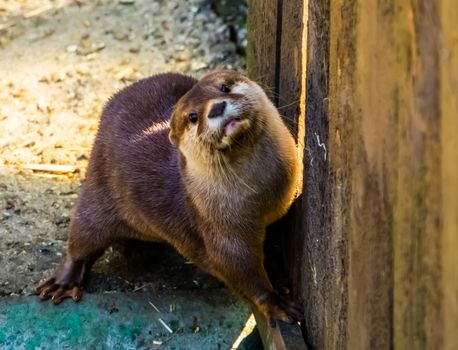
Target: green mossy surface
<point>122,321</point>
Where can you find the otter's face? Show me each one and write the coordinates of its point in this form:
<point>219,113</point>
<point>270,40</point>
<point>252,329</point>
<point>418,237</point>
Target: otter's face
<point>222,112</point>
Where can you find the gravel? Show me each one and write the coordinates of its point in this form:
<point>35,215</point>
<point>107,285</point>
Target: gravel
<point>60,61</point>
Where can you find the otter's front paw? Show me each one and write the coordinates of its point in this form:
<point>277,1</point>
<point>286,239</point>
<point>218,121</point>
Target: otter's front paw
<point>67,282</point>
<point>58,292</point>
<point>278,308</point>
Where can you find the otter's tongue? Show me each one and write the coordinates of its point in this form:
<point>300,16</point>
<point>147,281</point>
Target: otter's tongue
<point>231,126</point>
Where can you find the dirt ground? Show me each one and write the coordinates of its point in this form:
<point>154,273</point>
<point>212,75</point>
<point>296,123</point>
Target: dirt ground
<point>59,62</point>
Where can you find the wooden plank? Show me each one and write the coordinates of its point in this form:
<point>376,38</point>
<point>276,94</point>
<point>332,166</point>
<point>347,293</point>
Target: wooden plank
<point>417,271</point>
<point>385,173</point>
<point>448,14</point>
<point>373,251</point>
<point>282,337</point>
<point>380,192</point>
<point>279,68</point>
<point>362,149</point>
<point>293,54</point>
<point>49,168</point>
<point>322,284</point>
<point>263,51</point>
<point>291,105</point>
<point>262,44</point>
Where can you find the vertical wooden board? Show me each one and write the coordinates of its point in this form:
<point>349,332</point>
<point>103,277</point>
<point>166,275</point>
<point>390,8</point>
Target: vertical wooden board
<point>262,44</point>
<point>449,144</point>
<point>264,52</point>
<point>368,57</point>
<point>395,187</point>
<point>374,250</point>
<point>320,284</point>
<point>291,89</point>
<point>417,268</point>
<point>291,105</point>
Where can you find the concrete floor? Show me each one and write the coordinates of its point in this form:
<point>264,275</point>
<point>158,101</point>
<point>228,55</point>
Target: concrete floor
<point>199,320</point>
<point>119,314</point>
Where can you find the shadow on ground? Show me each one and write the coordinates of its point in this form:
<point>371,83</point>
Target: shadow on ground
<point>129,284</point>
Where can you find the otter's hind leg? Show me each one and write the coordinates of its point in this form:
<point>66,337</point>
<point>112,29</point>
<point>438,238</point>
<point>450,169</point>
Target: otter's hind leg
<point>93,228</point>
<point>241,267</point>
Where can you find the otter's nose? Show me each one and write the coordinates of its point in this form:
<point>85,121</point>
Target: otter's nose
<point>217,110</point>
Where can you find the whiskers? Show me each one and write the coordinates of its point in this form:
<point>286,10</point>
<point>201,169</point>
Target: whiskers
<point>228,167</point>
<point>222,165</point>
<point>282,102</point>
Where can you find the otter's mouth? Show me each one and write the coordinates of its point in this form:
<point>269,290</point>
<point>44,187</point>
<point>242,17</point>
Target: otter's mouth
<point>231,130</point>
<point>231,126</point>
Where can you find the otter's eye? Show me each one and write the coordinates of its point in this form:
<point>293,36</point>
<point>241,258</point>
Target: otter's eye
<point>225,88</point>
<point>193,118</point>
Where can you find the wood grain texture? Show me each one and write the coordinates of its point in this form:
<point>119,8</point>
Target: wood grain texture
<point>266,58</point>
<point>372,241</point>
<point>385,138</point>
<point>417,225</point>
<point>448,17</point>
<point>282,337</point>
<point>262,44</point>
<point>293,54</point>
<point>360,132</point>
<point>291,105</point>
<point>322,286</point>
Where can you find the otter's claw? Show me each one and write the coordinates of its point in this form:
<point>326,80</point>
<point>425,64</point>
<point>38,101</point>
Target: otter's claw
<point>277,308</point>
<point>57,293</point>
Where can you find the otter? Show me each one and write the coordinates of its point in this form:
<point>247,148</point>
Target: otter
<point>202,165</point>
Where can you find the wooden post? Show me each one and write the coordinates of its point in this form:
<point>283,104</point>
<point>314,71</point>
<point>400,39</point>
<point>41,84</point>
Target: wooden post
<point>262,24</point>
<point>373,94</point>
<point>388,137</point>
<point>448,66</point>
<point>276,57</point>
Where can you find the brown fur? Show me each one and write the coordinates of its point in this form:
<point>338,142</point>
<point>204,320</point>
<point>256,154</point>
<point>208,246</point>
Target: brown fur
<point>210,194</point>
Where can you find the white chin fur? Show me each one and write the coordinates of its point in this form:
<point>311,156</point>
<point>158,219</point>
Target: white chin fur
<point>216,123</point>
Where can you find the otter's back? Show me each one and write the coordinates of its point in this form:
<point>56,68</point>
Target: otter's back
<point>132,156</point>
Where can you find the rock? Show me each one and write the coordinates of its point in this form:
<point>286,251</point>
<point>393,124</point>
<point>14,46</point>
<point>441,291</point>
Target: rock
<point>184,55</point>
<point>198,65</point>
<point>120,34</point>
<point>88,48</point>
<point>127,74</point>
<point>229,9</point>
<point>45,251</point>
<point>62,220</point>
<point>135,48</point>
<point>72,48</point>
<point>181,66</point>
<point>57,77</point>
<point>43,105</point>
<point>234,13</point>
<point>224,51</point>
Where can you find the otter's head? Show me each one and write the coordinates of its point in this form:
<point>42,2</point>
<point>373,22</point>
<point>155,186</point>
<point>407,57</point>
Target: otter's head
<point>224,112</point>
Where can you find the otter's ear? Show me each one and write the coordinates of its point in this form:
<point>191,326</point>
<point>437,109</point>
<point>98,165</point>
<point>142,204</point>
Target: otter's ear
<point>172,135</point>
<point>173,139</point>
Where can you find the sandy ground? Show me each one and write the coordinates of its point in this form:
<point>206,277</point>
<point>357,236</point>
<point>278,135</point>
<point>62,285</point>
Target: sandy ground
<point>59,62</point>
